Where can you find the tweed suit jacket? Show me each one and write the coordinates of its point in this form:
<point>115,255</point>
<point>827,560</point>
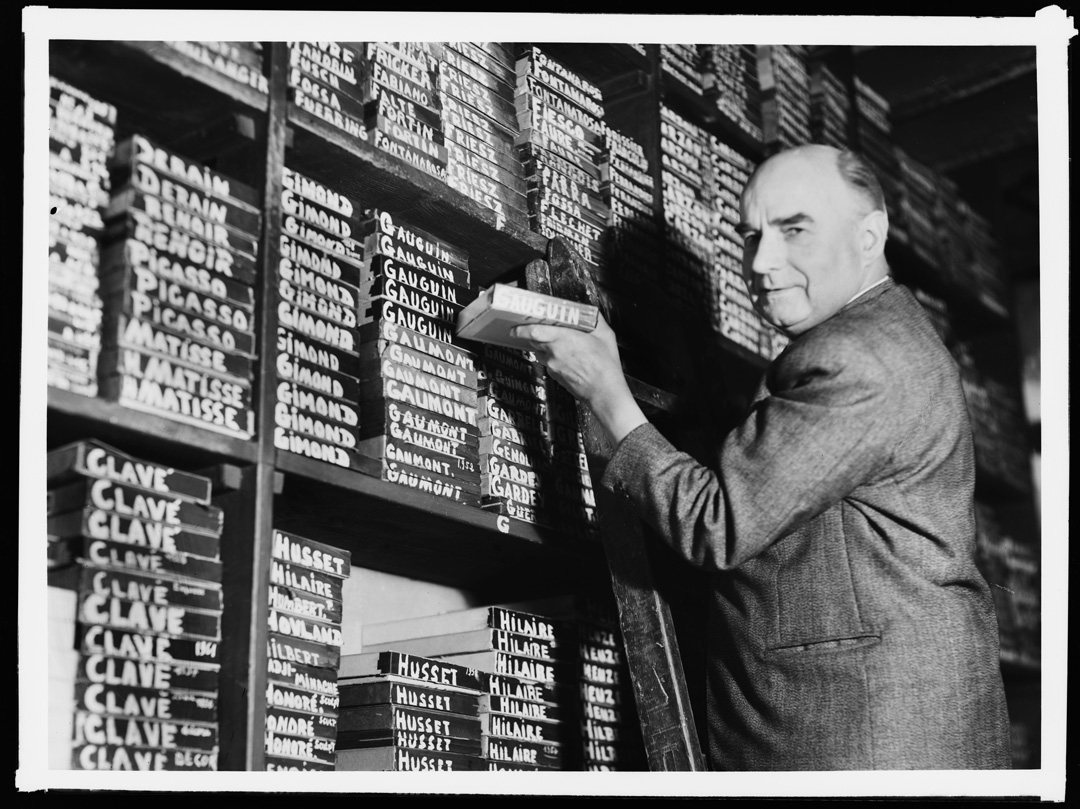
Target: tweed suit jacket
<point>849,628</point>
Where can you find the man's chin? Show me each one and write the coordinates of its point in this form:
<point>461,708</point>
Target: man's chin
<point>787,322</point>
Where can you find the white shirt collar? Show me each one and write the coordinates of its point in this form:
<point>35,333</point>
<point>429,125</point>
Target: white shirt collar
<point>862,292</point>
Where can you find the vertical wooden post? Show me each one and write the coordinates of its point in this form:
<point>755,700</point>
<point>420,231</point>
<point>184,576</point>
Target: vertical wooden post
<point>246,555</point>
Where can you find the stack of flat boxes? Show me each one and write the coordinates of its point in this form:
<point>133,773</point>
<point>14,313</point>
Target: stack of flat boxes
<point>1011,569</point>
<point>631,255</point>
<point>938,310</point>
<point>146,541</point>
<point>997,422</point>
<point>402,90</point>
<point>516,648</point>
<point>542,709</point>
<point>177,279</point>
<point>515,444</point>
<point>527,711</point>
<point>979,404</point>
<point>556,692</point>
<point>1018,597</point>
<point>738,320</point>
<point>683,63</point>
<point>874,140</point>
<point>702,178</point>
<point>418,381</point>
<point>405,712</point>
<point>729,73</point>
<point>511,440</point>
<point>830,109</point>
<point>544,703</point>
<point>303,652</point>
<point>316,412</point>
<point>918,199</point>
<point>574,500</point>
<point>81,137</point>
<point>325,80</point>
<point>688,210</point>
<point>785,86</point>
<point>1024,586</point>
<point>985,267</point>
<point>627,189</point>
<point>62,659</point>
<point>727,172</point>
<point>950,240</point>
<point>560,141</point>
<point>528,722</point>
<point>1004,448</point>
<point>240,61</point>
<point>478,83</point>
<point>532,459</point>
<point>610,728</point>
<point>991,557</point>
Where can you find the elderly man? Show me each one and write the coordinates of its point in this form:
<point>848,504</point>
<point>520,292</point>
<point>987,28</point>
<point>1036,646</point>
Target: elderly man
<point>849,628</point>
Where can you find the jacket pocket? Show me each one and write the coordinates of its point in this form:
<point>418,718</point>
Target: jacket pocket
<point>815,593</point>
<point>826,646</point>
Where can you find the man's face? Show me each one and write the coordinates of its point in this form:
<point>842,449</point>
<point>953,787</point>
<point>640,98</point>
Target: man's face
<point>801,240</point>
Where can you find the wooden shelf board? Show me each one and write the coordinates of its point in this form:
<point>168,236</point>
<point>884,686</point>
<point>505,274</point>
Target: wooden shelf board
<point>204,74</point>
<point>72,416</point>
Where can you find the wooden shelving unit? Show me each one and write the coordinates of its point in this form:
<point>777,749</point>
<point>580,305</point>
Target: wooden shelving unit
<point>385,527</point>
<point>183,104</point>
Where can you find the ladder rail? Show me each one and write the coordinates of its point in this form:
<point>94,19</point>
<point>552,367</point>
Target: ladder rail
<point>648,631</point>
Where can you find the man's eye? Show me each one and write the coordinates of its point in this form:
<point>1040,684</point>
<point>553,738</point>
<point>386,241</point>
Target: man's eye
<point>793,231</point>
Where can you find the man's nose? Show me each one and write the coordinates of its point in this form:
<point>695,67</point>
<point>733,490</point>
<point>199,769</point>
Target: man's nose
<point>768,254</point>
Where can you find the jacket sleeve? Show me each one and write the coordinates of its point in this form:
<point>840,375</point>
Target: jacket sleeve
<point>823,430</point>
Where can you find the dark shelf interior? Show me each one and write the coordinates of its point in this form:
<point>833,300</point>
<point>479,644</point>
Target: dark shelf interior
<point>602,63</point>
<point>169,98</point>
<point>965,305</point>
<point>391,528</point>
<point>993,486</point>
<point>1020,670</point>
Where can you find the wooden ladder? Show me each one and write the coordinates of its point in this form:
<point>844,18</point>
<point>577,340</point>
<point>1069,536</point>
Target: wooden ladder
<point>652,649</point>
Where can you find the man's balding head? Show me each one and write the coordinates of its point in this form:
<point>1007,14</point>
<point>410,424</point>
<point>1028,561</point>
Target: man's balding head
<point>851,167</point>
<point>814,226</point>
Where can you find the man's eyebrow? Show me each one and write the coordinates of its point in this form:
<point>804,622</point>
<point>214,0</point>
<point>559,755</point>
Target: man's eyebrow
<point>743,229</point>
<point>794,219</point>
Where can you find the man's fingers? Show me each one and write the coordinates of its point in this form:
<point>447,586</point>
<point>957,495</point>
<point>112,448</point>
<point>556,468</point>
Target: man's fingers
<point>602,326</point>
<point>536,333</point>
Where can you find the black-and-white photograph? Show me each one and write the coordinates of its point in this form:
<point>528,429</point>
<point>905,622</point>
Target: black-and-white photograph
<point>557,415</point>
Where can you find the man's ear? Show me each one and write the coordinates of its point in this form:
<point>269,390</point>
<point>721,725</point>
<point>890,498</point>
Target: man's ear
<point>875,230</point>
